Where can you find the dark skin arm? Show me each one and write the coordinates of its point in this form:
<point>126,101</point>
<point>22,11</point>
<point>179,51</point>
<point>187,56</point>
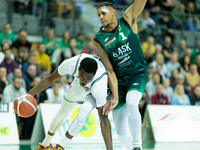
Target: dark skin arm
<point>45,83</point>
<point>112,79</point>
<point>105,129</point>
<point>132,13</point>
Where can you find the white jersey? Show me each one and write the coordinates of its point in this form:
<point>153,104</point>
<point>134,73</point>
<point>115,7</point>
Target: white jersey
<point>97,87</point>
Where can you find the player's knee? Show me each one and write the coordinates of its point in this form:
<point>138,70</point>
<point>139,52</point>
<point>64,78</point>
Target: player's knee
<point>81,120</point>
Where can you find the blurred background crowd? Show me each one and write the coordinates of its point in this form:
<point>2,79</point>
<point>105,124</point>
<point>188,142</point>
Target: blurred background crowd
<point>37,35</point>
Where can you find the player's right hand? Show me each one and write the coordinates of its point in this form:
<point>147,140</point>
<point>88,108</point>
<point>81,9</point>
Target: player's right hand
<point>110,105</point>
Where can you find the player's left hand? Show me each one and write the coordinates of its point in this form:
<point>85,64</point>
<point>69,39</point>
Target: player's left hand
<point>110,105</point>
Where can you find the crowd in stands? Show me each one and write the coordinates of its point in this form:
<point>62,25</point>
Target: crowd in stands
<point>174,72</point>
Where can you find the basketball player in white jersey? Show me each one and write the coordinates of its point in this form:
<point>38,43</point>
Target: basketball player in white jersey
<point>89,86</point>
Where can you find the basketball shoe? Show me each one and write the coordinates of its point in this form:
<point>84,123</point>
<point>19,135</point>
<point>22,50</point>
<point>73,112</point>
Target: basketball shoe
<point>58,147</point>
<point>41,147</point>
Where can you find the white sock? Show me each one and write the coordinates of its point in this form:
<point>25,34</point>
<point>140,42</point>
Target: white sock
<point>47,140</point>
<point>64,141</point>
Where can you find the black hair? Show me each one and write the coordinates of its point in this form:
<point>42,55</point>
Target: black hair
<point>89,65</point>
<point>109,4</point>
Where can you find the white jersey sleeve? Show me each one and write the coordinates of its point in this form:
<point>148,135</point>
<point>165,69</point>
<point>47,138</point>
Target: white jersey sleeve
<point>99,91</point>
<point>68,66</point>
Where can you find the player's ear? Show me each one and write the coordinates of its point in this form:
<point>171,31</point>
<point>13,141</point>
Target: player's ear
<point>113,12</point>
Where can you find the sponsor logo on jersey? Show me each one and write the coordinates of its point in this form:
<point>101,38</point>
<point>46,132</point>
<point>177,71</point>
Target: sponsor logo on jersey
<point>106,39</point>
<point>90,126</point>
<point>125,59</point>
<point>122,54</point>
<point>110,42</point>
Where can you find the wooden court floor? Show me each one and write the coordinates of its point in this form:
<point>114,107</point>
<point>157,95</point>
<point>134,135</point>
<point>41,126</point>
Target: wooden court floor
<point>146,146</point>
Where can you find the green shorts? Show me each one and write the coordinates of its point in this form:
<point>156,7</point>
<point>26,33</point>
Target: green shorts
<point>137,83</point>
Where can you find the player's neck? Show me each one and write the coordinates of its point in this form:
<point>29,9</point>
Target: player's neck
<point>112,26</point>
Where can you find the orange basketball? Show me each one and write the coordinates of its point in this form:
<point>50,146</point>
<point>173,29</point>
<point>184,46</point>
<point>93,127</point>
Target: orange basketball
<point>25,105</point>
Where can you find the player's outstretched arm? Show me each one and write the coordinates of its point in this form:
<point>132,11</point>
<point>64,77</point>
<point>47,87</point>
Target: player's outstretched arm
<point>112,79</point>
<point>133,12</point>
<point>45,83</point>
<point>105,129</point>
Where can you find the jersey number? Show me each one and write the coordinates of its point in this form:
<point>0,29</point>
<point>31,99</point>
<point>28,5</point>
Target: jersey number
<point>123,37</point>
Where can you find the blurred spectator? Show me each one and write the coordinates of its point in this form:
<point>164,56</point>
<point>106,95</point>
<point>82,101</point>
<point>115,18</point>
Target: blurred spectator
<point>29,76</point>
<point>179,97</point>
<point>55,94</point>
<point>5,46</point>
<point>148,56</point>
<point>167,89</point>
<point>159,59</point>
<point>173,64</point>
<point>44,72</point>
<point>64,43</point>
<point>7,36</point>
<point>8,63</point>
<point>197,6</point>
<point>71,50</point>
<point>168,5</point>
<point>64,83</point>
<point>158,50</point>
<point>152,83</point>
<point>185,64</point>
<point>42,59</point>
<point>158,97</point>
<point>194,53</point>
<point>52,48</point>
<point>32,59</point>
<point>43,8</point>
<point>149,44</point>
<point>148,23</point>
<point>198,63</point>
<point>175,72</point>
<point>150,71</point>
<point>143,104</point>
<point>22,6</point>
<point>22,41</point>
<point>3,74</point>
<point>81,43</point>
<point>180,79</point>
<point>16,73</point>
<point>165,28</point>
<point>191,22</point>
<point>195,96</point>
<point>192,76</point>
<point>154,5</point>
<point>50,42</point>
<point>90,37</point>
<point>20,57</point>
<point>181,49</point>
<point>167,48</point>
<point>90,49</point>
<point>42,96</point>
<point>69,7</point>
<point>178,15</point>
<point>159,70</point>
<point>13,90</point>
<point>3,80</point>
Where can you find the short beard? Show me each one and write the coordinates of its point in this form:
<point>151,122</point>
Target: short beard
<point>107,26</point>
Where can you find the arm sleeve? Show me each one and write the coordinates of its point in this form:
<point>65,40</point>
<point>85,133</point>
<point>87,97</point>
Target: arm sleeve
<point>99,91</point>
<point>68,66</point>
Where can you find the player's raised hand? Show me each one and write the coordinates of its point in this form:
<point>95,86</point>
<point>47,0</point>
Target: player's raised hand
<point>110,105</point>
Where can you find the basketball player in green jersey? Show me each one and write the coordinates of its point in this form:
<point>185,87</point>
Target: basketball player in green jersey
<point>119,48</point>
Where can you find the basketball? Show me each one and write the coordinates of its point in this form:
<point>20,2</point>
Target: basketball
<point>25,105</point>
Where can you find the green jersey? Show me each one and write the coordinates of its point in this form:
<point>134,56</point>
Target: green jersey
<point>123,48</point>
